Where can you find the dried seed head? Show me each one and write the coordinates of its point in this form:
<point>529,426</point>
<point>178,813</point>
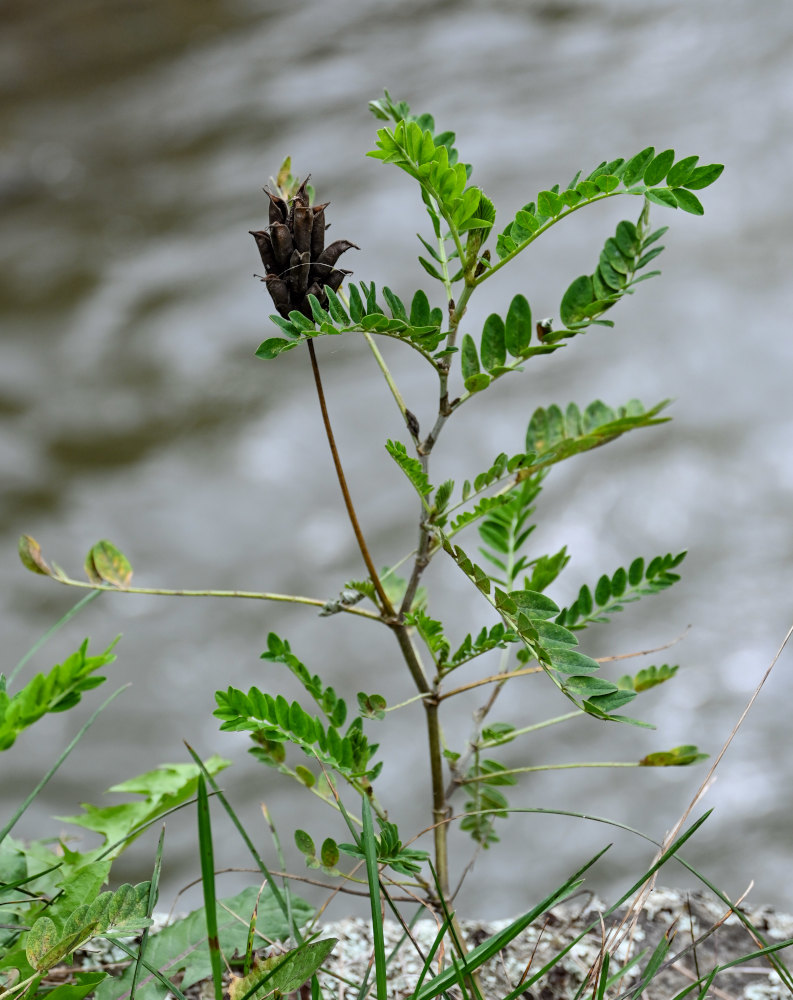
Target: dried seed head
<point>296,261</point>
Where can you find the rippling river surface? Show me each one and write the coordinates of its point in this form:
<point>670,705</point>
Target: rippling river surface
<point>135,142</point>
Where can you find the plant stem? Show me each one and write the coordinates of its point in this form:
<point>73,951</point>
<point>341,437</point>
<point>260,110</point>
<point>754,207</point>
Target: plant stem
<point>551,767</point>
<point>247,594</point>
<point>403,638</point>
<point>400,402</point>
<point>494,679</point>
<point>486,744</point>
<point>387,607</point>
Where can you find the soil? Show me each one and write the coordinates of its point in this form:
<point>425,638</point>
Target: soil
<point>683,916</point>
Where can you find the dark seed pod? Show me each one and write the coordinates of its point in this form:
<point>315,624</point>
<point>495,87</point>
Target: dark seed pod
<point>303,225</point>
<point>265,248</point>
<point>283,244</point>
<point>323,265</point>
<point>278,209</point>
<point>301,197</point>
<point>279,293</point>
<point>319,292</point>
<point>334,280</point>
<point>318,232</point>
<point>300,264</point>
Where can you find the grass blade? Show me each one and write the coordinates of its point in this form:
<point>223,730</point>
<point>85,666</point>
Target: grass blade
<point>208,885</point>
<point>373,875</point>
<point>52,630</point>
<point>153,891</point>
<point>277,895</point>
<point>494,944</point>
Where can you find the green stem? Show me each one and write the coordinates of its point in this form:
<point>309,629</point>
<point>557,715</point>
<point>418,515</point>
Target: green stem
<point>530,729</point>
<point>400,402</point>
<point>544,228</point>
<point>551,767</point>
<point>246,594</point>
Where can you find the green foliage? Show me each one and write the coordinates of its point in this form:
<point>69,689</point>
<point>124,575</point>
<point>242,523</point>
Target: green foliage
<point>419,327</point>
<point>676,757</point>
<point>328,855</point>
<point>555,436</point>
<point>504,531</point>
<point>411,467</point>
<point>164,788</point>
<point>611,593</point>
<point>281,974</point>
<point>486,803</point>
<point>390,851</point>
<point>500,336</point>
<point>279,651</point>
<point>275,722</point>
<point>643,174</point>
<point>116,912</point>
<point>60,890</point>
<point>57,691</point>
<point>181,947</point>
<point>589,296</point>
<point>648,677</point>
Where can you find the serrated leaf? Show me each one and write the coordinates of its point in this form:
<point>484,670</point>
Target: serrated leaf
<point>182,946</point>
<point>281,974</point>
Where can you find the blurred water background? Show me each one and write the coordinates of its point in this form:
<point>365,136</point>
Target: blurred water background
<point>135,141</point>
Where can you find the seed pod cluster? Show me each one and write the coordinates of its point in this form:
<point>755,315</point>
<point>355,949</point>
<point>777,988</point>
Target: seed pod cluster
<point>296,261</point>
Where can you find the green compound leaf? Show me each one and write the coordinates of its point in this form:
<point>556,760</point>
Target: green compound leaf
<point>181,947</point>
<point>121,911</point>
<point>56,691</point>
<point>274,722</point>
<point>553,436</point>
<point>611,594</point>
<point>412,468</point>
<point>279,651</point>
<point>647,678</point>
<point>390,851</point>
<point>162,789</point>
